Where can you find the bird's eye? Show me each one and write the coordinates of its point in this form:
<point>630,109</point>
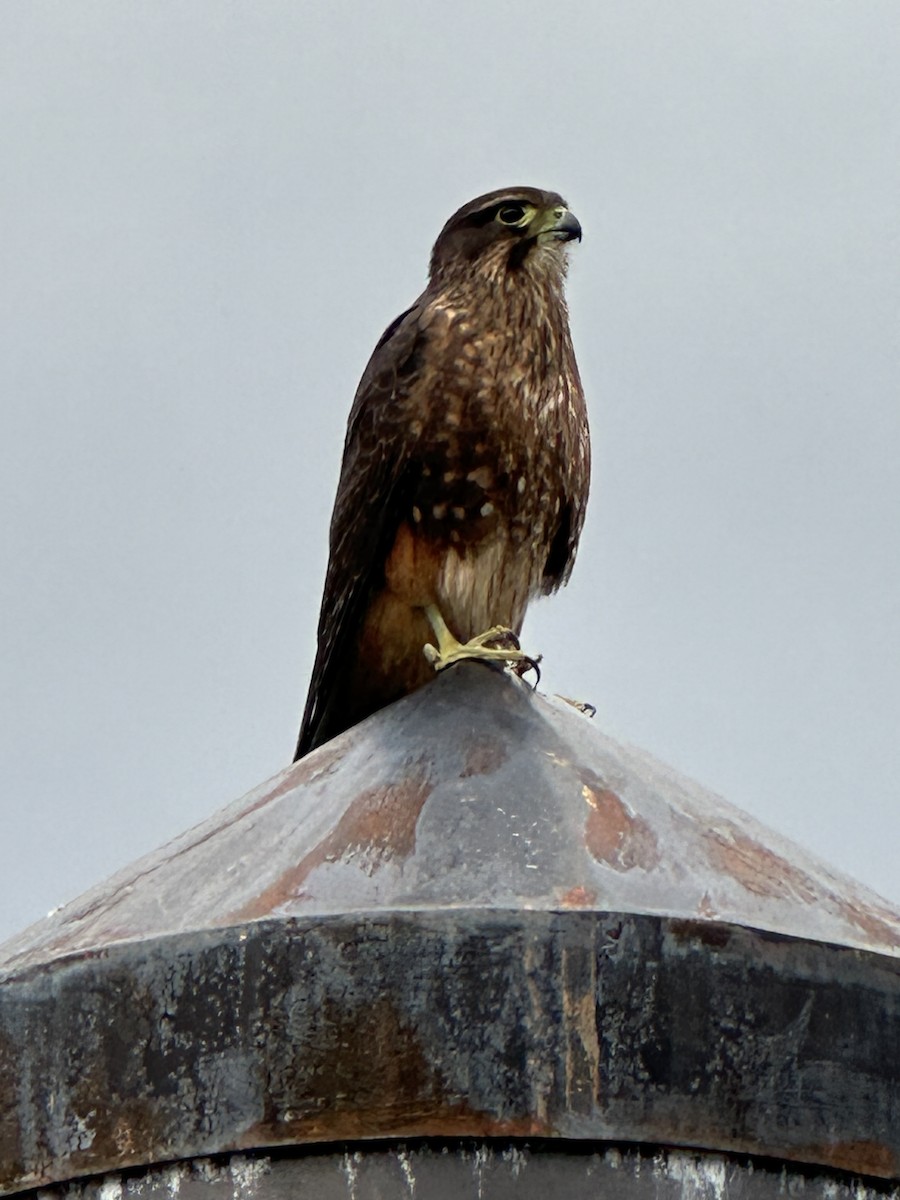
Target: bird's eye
<point>511,214</point>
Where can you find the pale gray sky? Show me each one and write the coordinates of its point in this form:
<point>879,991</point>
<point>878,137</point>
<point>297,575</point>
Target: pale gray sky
<point>210,211</point>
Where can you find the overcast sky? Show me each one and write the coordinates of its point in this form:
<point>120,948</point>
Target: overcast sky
<point>209,211</point>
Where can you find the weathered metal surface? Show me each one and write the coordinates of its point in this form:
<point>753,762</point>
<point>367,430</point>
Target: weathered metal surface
<point>470,1022</point>
<point>471,915</point>
<point>472,791</point>
<point>453,1171</point>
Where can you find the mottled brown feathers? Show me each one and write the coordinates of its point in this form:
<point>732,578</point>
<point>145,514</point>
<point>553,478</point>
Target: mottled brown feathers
<point>466,463</point>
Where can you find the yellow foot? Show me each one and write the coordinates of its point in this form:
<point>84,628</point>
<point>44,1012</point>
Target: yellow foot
<point>498,644</point>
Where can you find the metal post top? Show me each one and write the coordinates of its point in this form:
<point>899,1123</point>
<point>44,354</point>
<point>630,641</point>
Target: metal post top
<point>473,915</point>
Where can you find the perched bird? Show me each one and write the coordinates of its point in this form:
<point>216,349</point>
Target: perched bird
<point>466,466</point>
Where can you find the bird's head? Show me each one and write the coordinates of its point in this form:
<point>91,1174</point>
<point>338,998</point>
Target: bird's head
<point>504,231</point>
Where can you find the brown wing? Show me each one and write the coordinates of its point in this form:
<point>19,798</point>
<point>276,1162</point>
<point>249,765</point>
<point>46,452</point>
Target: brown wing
<point>576,480</point>
<point>375,489</point>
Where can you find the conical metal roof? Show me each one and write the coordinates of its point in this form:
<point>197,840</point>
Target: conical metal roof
<point>476,915</point>
<point>472,792</point>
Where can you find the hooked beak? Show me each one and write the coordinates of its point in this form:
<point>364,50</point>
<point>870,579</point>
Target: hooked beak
<point>560,225</point>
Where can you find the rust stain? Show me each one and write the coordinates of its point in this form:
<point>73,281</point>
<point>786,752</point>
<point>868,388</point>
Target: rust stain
<point>757,868</point>
<point>579,897</point>
<point>866,1158</point>
<point>863,1157</point>
<point>411,1121</point>
<point>97,912</point>
<point>412,1118</point>
<point>706,908</point>
<point>371,1074</point>
<point>582,1055</point>
<point>707,932</point>
<point>319,763</point>
<point>613,833</point>
<point>121,1137</point>
<point>97,916</point>
<point>378,827</point>
<point>878,924</point>
<point>761,871</point>
<point>484,756</point>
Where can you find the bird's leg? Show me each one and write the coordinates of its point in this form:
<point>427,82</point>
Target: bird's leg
<point>498,644</point>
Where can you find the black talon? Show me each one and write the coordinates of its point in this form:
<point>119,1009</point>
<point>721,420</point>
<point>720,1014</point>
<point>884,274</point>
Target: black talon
<point>506,640</point>
<point>526,665</point>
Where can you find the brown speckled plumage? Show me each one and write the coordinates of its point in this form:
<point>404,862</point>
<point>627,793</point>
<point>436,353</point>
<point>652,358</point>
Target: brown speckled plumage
<point>466,463</point>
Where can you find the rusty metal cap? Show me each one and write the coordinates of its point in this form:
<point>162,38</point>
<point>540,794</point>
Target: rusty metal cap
<point>472,914</point>
<point>472,792</point>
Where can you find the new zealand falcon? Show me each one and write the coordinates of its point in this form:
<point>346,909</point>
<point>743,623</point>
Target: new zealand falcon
<point>466,466</point>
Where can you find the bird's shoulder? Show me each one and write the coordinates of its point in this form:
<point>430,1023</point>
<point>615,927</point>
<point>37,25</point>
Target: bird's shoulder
<point>393,363</point>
